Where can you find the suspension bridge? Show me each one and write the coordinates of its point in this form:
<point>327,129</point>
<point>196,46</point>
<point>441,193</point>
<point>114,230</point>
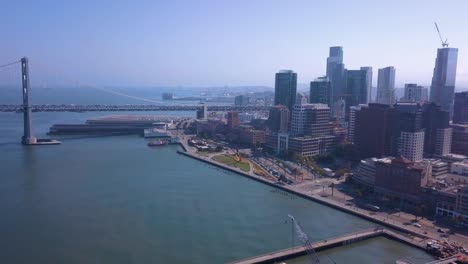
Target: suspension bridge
<point>119,108</point>
<point>27,108</point>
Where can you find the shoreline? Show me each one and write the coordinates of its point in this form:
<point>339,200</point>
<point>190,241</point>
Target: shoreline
<point>305,196</point>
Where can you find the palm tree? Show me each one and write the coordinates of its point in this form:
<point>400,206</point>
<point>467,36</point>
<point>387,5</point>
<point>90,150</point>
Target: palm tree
<point>332,186</point>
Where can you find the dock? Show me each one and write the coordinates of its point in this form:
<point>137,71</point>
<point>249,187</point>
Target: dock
<point>289,253</point>
<point>298,251</point>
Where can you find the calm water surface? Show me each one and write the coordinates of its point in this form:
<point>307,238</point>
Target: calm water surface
<point>114,200</point>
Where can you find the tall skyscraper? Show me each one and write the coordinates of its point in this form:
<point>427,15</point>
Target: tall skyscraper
<point>335,58</point>
<point>336,73</point>
<point>386,86</point>
<point>443,80</point>
<point>460,109</point>
<point>285,88</point>
<point>320,91</point>
<point>356,88</point>
<point>415,93</point>
<point>368,82</point>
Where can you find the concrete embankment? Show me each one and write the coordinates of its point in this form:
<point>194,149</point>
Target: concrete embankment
<point>321,200</point>
<point>183,147</point>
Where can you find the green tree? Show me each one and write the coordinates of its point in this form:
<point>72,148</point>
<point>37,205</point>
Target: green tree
<point>341,172</point>
<point>459,219</point>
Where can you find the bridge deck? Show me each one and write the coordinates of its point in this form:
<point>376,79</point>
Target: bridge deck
<point>444,261</point>
<point>117,108</point>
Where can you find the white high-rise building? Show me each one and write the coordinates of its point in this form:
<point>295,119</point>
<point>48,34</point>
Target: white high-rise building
<point>415,93</point>
<point>443,141</point>
<point>310,120</point>
<point>301,99</point>
<point>298,118</point>
<point>386,86</point>
<point>411,145</point>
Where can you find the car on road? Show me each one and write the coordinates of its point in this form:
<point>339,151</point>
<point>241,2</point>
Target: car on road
<point>417,225</point>
<point>372,207</point>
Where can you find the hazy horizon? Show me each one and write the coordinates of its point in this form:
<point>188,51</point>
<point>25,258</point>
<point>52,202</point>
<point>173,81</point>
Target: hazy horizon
<point>211,43</point>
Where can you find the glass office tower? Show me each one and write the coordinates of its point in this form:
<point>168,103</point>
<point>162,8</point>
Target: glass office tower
<point>443,80</point>
<point>286,88</point>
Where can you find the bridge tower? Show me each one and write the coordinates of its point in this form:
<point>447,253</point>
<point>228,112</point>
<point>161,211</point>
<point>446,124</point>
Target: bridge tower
<point>28,138</point>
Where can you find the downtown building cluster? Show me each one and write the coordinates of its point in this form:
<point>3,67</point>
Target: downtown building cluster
<point>415,150</point>
<point>409,146</point>
<point>295,126</point>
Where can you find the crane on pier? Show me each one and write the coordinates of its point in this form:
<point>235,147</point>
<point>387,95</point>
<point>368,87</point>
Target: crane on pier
<point>444,43</point>
<point>302,236</point>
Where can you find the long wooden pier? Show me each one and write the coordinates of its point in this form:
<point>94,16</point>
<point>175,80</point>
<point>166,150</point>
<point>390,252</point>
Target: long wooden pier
<point>285,254</point>
<point>298,251</point>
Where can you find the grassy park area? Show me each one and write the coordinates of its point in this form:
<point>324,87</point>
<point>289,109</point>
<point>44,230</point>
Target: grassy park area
<point>233,161</point>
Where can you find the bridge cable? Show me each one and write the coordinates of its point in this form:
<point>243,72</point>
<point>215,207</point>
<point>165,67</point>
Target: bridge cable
<point>9,64</point>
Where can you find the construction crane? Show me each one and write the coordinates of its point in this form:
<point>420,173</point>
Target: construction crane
<point>444,43</point>
<point>302,236</point>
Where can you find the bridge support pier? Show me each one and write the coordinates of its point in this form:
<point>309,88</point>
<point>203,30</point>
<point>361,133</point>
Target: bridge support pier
<point>28,138</point>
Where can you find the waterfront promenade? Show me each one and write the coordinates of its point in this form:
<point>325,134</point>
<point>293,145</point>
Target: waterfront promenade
<point>415,234</point>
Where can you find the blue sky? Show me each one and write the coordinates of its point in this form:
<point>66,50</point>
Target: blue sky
<point>212,43</point>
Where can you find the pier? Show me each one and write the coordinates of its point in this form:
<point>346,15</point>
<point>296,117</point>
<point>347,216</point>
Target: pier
<point>285,254</point>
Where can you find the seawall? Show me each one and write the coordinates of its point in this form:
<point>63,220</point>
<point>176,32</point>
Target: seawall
<point>305,196</point>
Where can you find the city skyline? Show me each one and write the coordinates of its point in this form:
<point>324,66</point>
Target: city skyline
<point>180,43</point>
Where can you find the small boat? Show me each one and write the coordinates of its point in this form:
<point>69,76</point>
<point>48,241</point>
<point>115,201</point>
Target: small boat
<point>157,143</point>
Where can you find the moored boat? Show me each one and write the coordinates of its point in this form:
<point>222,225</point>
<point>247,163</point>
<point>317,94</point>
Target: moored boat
<point>157,143</point>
